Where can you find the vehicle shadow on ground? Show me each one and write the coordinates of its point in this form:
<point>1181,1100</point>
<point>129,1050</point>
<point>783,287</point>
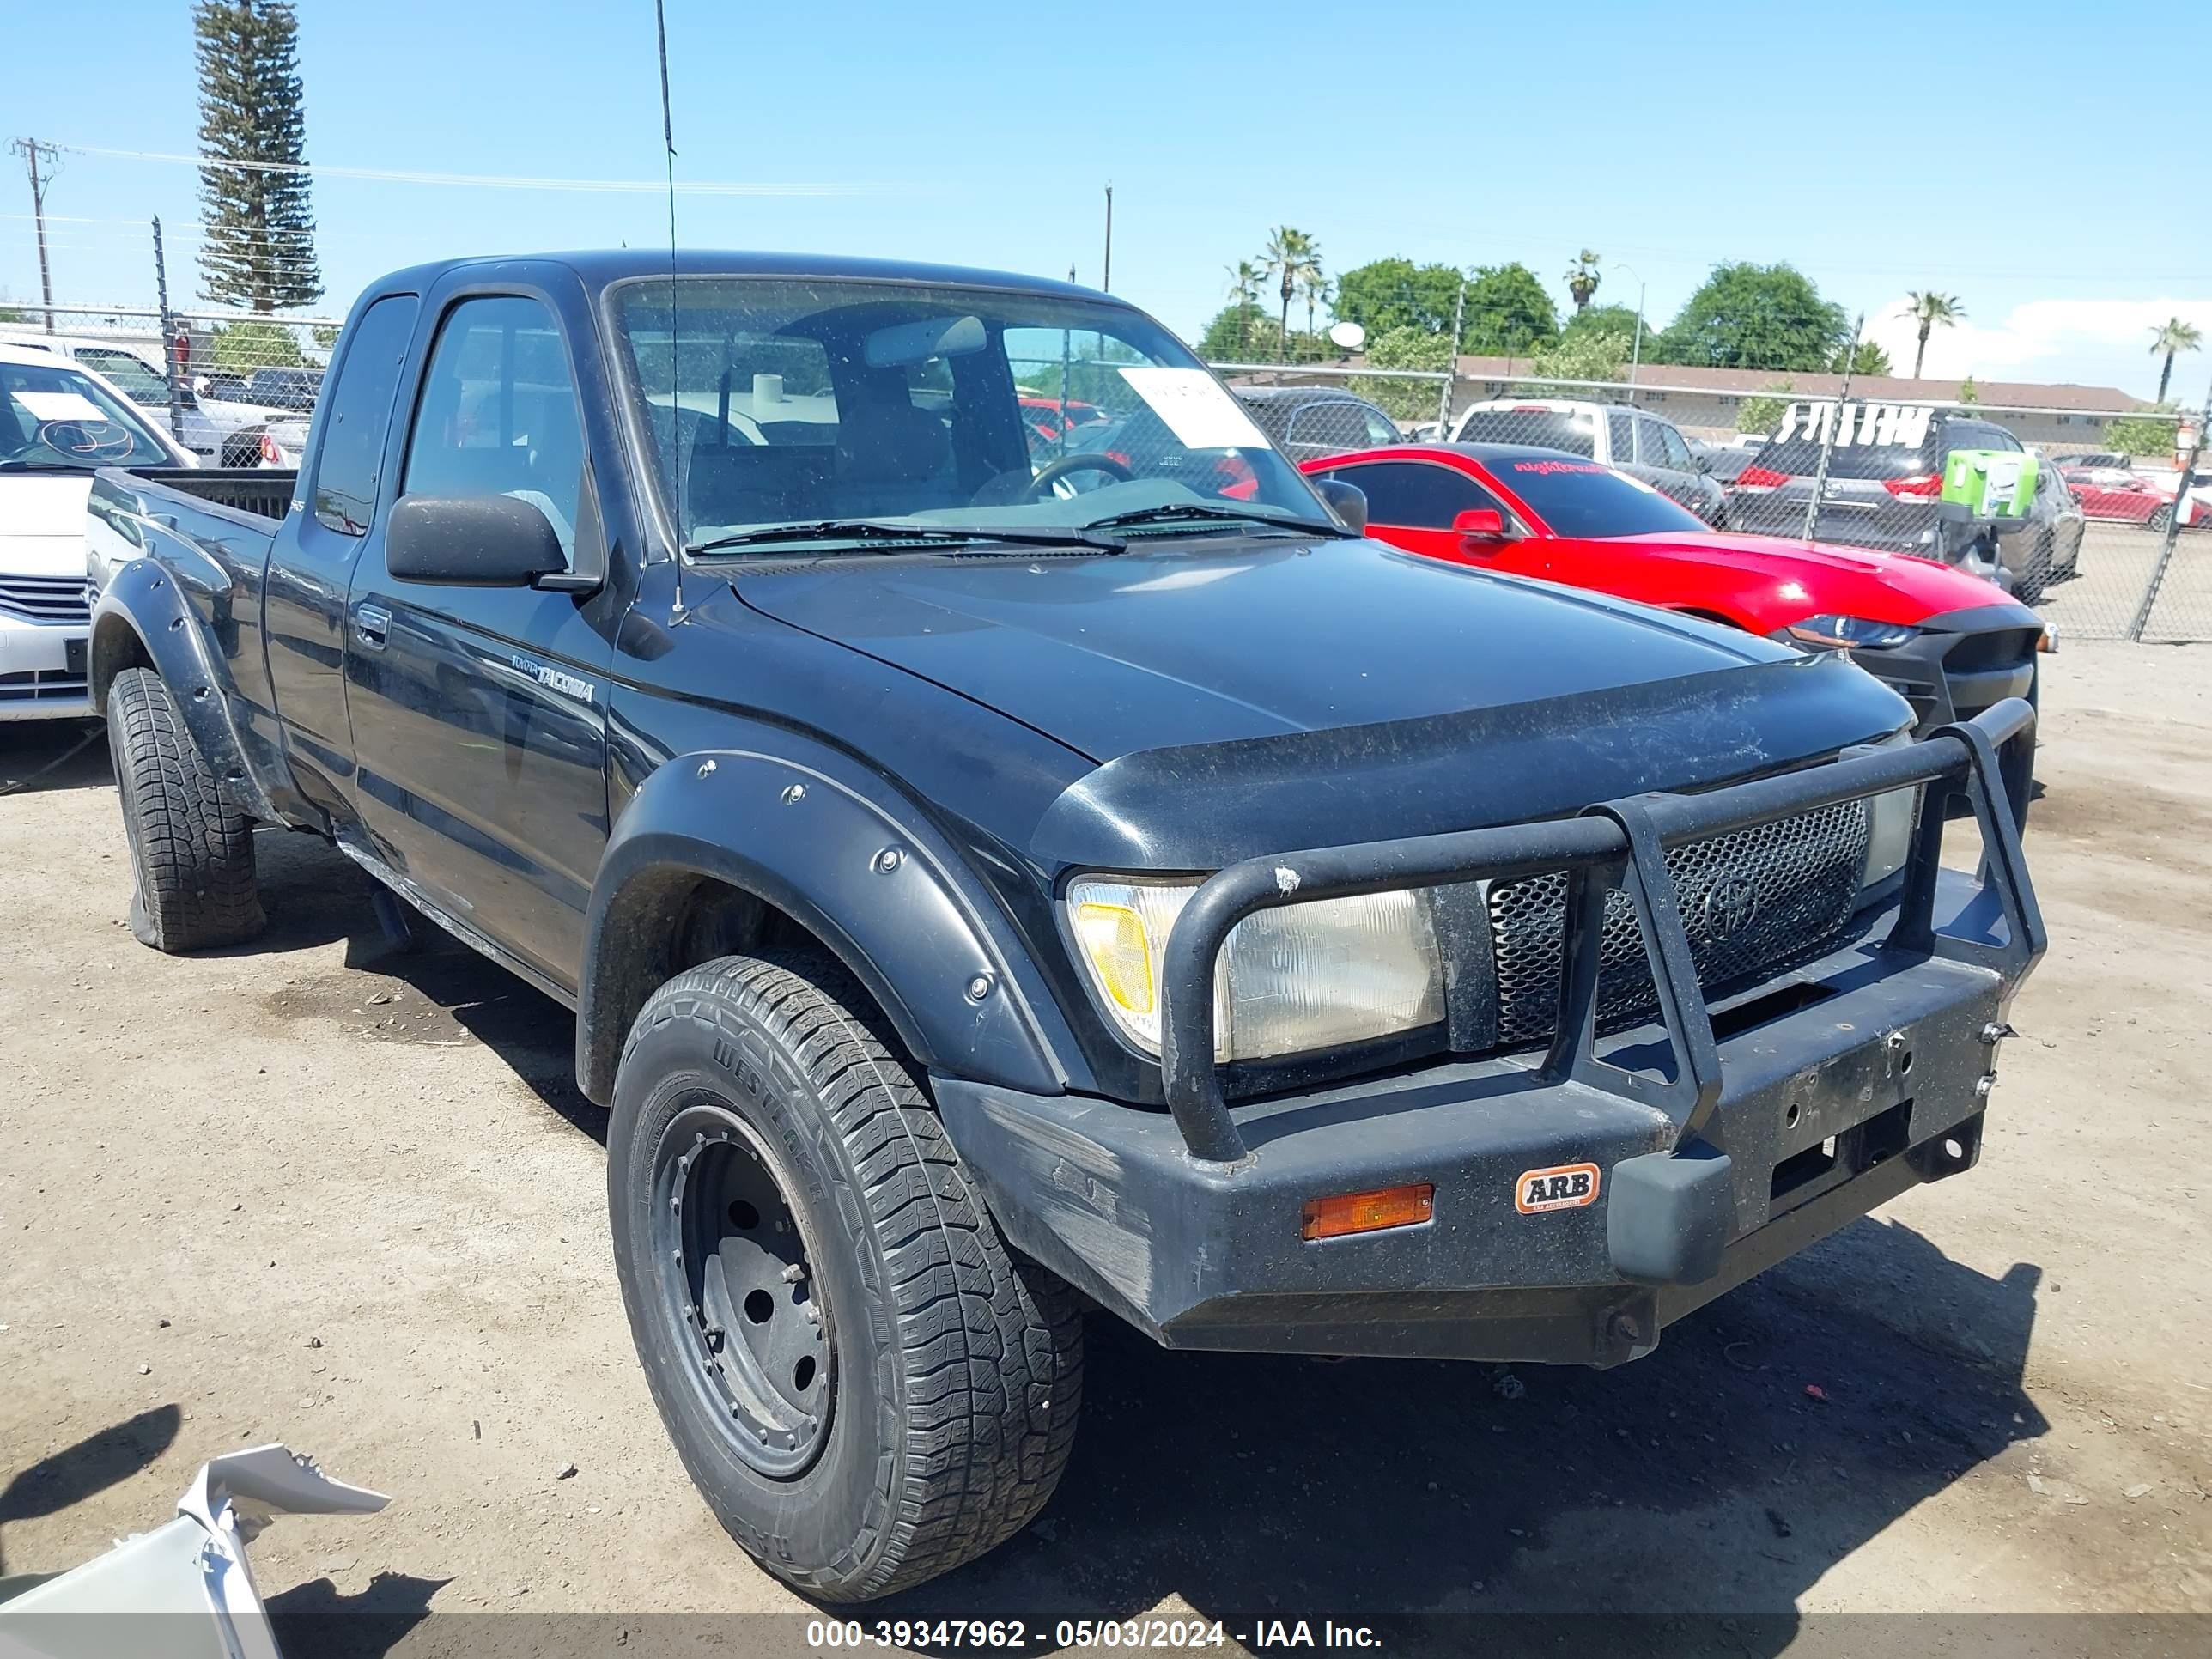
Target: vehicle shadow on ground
<point>39,756</point>
<point>314,895</point>
<point>75,1473</point>
<point>1708,1479</point>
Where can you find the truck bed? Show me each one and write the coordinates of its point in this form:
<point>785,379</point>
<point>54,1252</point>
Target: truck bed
<point>262,492</point>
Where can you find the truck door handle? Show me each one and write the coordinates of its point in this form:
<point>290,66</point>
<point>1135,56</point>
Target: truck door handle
<point>372,622</point>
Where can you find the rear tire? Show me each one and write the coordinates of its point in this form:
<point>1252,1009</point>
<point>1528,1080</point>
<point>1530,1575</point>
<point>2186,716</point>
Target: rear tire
<point>191,851</point>
<point>867,1389</point>
<point>2158,519</point>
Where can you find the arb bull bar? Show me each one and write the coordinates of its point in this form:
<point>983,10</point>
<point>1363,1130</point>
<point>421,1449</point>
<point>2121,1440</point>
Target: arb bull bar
<point>1719,1138</point>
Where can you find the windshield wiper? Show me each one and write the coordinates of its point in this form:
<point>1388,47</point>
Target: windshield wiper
<point>1170,512</point>
<point>894,530</point>
<point>43,466</point>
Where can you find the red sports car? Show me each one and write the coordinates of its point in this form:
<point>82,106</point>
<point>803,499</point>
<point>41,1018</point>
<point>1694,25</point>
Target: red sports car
<point>1951,643</point>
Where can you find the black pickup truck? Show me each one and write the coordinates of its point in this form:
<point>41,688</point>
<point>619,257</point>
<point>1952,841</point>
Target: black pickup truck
<point>1004,870</point>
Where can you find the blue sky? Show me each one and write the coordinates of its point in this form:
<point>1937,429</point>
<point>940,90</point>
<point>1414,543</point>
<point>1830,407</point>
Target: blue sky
<point>1667,137</point>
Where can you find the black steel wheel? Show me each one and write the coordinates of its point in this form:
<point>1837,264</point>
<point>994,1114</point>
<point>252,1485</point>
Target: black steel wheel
<point>865,1385</point>
<point>737,1289</point>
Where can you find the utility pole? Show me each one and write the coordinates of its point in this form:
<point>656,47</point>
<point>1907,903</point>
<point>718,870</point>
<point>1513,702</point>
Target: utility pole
<point>1451,366</point>
<point>30,150</point>
<point>1106,277</point>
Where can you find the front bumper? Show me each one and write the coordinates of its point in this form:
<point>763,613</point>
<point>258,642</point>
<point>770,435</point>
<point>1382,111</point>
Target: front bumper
<point>42,670</point>
<point>1720,1139</point>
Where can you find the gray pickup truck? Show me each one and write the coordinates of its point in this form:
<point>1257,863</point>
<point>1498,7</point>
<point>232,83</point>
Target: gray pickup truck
<point>1003,870</point>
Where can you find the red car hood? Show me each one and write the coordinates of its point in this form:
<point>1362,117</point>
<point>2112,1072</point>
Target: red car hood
<point>1855,581</point>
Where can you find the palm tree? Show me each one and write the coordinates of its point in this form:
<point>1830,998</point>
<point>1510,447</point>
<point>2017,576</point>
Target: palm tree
<point>1244,294</point>
<point>1583,279</point>
<point>2171,337</point>
<point>1313,283</point>
<point>1932,310</point>
<point>1287,257</point>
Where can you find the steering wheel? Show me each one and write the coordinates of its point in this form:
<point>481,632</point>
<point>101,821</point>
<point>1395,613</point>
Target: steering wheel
<point>1067,465</point>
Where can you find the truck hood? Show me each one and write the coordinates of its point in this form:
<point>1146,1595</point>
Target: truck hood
<point>42,523</point>
<point>1200,642</point>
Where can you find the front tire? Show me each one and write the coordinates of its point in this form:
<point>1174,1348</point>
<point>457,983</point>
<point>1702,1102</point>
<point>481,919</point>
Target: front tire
<point>191,851</point>
<point>865,1387</point>
<point>2158,519</point>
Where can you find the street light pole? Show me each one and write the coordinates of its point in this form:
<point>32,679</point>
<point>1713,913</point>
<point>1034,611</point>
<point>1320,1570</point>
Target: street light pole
<point>1106,276</point>
<point>1636,351</point>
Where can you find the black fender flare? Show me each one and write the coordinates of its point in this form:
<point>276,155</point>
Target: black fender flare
<point>856,864</point>
<point>145,617</point>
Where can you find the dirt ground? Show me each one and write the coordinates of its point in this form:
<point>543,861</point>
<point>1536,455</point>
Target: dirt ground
<point>298,1191</point>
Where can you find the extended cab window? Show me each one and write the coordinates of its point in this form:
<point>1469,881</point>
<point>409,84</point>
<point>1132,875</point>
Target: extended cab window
<point>498,413</point>
<point>360,414</point>
<point>132,378</point>
<point>1416,495</point>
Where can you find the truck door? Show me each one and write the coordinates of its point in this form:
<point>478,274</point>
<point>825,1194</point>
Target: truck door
<point>311,558</point>
<point>479,713</point>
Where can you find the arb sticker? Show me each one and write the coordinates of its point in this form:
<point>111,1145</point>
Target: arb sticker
<point>1562,1186</point>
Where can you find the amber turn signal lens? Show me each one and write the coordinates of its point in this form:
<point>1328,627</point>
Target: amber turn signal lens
<point>1370,1212</point>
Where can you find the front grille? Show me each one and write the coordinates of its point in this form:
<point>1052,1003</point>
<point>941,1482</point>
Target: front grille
<point>42,685</point>
<point>1804,873</point>
<point>45,598</point>
<point>1999,647</point>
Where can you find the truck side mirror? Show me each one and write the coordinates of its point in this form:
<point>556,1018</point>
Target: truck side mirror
<point>1478,528</point>
<point>1347,502</point>
<point>471,541</point>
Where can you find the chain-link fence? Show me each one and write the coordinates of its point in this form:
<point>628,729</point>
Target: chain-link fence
<point>2106,540</point>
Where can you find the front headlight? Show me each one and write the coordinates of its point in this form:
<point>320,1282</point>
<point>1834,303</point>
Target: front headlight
<point>1289,981</point>
<point>1837,633</point>
<point>1891,820</point>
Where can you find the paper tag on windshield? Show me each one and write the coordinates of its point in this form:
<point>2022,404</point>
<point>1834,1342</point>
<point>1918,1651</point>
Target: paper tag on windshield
<point>43,406</point>
<point>1196,407</point>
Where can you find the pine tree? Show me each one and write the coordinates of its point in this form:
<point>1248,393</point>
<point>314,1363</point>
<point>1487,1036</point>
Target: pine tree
<point>259,247</point>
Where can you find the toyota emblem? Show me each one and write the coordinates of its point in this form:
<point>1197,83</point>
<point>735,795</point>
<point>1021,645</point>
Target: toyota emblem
<point>1730,904</point>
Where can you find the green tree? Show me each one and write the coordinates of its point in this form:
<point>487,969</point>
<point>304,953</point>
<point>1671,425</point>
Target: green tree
<point>1764,414</point>
<point>1385,295</point>
<point>2146,434</point>
<point>1968,392</point>
<point>1584,353</point>
<point>1582,279</point>
<point>1404,347</point>
<point>1508,312</point>
<point>1602,320</point>
<point>2171,337</point>
<point>1752,316</point>
<point>1237,334</point>
<point>242,347</point>
<point>1865,358</point>
<point>259,246</point>
<point>1289,256</point>
<point>1931,310</point>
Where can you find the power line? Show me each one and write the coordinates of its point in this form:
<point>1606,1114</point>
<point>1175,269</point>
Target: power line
<point>482,181</point>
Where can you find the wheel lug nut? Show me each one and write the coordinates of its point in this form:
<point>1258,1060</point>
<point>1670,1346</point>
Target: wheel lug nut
<point>794,1273</point>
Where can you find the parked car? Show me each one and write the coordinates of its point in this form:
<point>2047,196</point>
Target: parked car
<point>1306,421</point>
<point>282,444</point>
<point>247,405</point>
<point>57,423</point>
<point>136,371</point>
<point>1885,479</point>
<point>1951,643</point>
<point>981,904</point>
<point>1721,462</point>
<point>2134,501</point>
<point>2098,466</point>
<point>1637,442</point>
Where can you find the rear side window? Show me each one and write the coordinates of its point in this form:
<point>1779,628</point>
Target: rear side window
<point>1335,426</point>
<point>1572,430</point>
<point>1866,442</point>
<point>1621,435</point>
<point>1977,434</point>
<point>360,414</point>
<point>1416,495</point>
<point>498,413</point>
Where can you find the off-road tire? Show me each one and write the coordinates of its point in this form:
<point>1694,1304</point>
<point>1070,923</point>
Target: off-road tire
<point>191,851</point>
<point>958,1368</point>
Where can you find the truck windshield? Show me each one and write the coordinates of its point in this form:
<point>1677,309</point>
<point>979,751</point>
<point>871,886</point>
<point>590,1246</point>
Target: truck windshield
<point>53,416</point>
<point>773,401</point>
